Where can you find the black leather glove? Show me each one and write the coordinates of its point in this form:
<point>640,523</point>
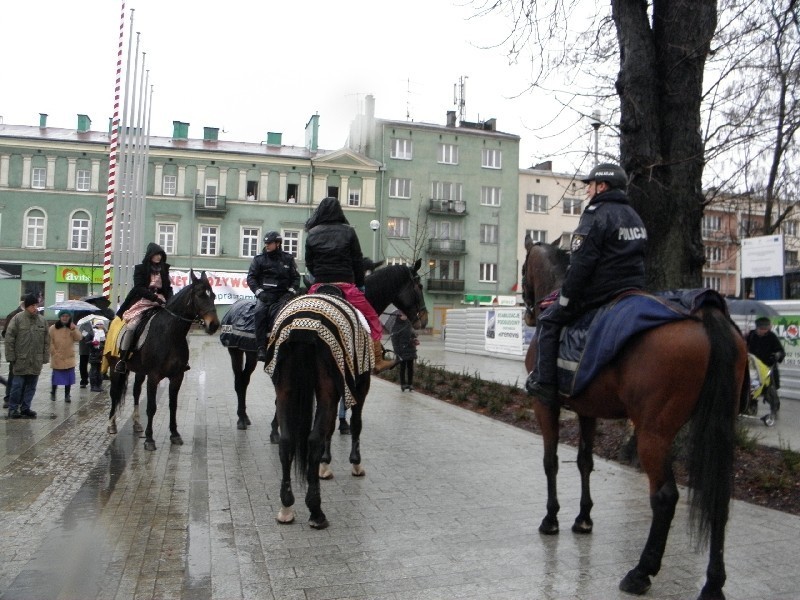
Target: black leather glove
<point>261,295</point>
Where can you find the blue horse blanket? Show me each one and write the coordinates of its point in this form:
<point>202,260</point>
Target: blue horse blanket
<point>596,338</point>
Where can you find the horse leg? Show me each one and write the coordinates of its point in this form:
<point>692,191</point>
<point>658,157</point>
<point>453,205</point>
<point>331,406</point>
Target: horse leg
<point>324,423</point>
<point>286,452</point>
<point>274,436</point>
<point>588,427</point>
<point>355,443</point>
<point>152,387</point>
<point>137,391</point>
<point>117,389</point>
<point>548,422</point>
<point>656,461</point>
<point>715,573</point>
<point>241,379</point>
<point>174,387</point>
<point>325,460</point>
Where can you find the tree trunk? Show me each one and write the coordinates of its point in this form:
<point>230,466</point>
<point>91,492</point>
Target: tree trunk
<point>660,86</point>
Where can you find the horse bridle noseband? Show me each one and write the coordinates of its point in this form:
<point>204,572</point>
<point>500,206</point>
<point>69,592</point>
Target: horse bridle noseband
<point>198,318</point>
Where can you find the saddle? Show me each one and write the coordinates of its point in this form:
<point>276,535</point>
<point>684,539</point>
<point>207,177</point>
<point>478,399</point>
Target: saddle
<point>597,337</point>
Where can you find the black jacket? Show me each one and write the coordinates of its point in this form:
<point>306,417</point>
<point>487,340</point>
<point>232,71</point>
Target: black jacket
<point>607,251</point>
<point>404,340</point>
<point>141,280</point>
<point>769,350</point>
<point>333,253</point>
<point>275,272</point>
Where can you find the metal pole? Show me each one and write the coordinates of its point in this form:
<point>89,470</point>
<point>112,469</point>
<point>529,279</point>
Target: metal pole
<point>596,122</point>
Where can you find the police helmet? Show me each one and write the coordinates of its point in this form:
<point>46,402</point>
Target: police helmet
<point>272,236</point>
<point>612,174</point>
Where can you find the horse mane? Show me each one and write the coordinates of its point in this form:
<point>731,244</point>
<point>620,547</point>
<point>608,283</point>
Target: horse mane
<point>558,258</point>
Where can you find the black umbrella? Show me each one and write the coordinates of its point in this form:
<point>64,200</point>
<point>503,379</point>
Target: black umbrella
<point>752,308</point>
<point>98,300</point>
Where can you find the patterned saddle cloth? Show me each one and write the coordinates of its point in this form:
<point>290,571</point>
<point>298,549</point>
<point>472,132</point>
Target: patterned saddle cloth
<point>336,323</point>
<point>596,338</point>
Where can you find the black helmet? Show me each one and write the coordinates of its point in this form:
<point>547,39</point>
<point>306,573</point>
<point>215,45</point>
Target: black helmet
<point>612,174</point>
<point>272,236</point>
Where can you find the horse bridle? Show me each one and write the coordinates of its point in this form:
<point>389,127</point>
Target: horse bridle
<point>198,318</point>
<point>529,302</point>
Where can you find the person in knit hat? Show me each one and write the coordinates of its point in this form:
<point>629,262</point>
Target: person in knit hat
<point>27,348</point>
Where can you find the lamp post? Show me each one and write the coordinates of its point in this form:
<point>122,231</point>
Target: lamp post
<point>596,122</point>
<point>374,225</point>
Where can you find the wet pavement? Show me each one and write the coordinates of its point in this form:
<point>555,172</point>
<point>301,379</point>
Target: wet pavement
<point>448,509</point>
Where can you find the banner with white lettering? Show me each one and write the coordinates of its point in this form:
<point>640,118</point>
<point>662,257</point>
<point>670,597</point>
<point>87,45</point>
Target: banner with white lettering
<point>503,330</point>
<point>229,287</point>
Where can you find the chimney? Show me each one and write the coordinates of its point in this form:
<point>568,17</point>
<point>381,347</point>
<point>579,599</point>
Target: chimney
<point>42,119</point>
<point>543,166</point>
<point>451,118</point>
<point>210,134</point>
<point>369,107</point>
<point>84,123</point>
<point>490,124</point>
<point>180,130</point>
<point>274,139</point>
<point>312,133</point>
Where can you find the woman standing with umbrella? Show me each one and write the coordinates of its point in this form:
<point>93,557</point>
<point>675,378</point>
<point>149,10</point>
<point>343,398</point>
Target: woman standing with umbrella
<point>63,336</point>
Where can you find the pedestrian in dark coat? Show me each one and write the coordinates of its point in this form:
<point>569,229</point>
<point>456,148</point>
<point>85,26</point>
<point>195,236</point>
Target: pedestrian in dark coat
<point>404,342</point>
<point>767,347</point>
<point>27,348</point>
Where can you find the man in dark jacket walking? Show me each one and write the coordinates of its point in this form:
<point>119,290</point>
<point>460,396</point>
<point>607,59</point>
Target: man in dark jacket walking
<point>273,277</point>
<point>767,347</point>
<point>27,348</point>
<point>607,258</point>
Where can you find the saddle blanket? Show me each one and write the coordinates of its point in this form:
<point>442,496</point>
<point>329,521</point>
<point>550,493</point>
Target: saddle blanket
<point>115,330</point>
<point>238,326</point>
<point>336,323</point>
<point>595,338</point>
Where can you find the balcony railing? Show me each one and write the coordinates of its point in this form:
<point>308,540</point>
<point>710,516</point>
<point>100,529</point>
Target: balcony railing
<point>447,246</point>
<point>210,205</point>
<point>455,286</point>
<point>447,207</point>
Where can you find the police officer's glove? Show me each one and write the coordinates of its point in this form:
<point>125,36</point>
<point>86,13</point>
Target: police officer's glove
<point>261,295</point>
<point>292,291</point>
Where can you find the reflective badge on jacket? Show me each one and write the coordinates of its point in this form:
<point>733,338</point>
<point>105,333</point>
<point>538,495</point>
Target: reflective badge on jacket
<point>576,242</point>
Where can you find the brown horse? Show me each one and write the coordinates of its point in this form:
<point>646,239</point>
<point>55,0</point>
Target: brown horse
<point>689,369</point>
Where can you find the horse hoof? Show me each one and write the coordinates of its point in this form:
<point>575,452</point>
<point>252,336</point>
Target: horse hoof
<point>176,440</point>
<point>112,428</point>
<point>358,471</point>
<point>321,524</point>
<point>149,445</point>
<point>137,427</point>
<point>241,424</point>
<point>325,471</point>
<point>274,438</point>
<point>549,526</point>
<point>711,593</point>
<point>635,582</point>
<point>582,526</point>
<point>247,420</point>
<point>285,515</point>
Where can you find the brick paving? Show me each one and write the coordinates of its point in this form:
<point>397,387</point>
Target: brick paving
<point>448,509</point>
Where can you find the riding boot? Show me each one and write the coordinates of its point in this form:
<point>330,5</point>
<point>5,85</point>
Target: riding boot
<point>381,364</point>
<point>124,345</point>
<point>67,399</point>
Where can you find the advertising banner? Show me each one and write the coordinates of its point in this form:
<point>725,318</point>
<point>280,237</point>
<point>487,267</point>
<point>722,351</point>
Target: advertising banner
<point>10,271</point>
<point>75,274</point>
<point>787,328</point>
<point>228,286</point>
<point>503,331</point>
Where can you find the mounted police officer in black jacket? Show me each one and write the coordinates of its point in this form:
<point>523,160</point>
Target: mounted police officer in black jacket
<point>607,258</point>
<point>273,277</point>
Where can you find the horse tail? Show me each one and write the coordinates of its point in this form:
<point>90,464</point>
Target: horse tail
<point>300,408</point>
<point>712,432</point>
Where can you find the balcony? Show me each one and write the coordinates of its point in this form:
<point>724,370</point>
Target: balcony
<point>451,286</point>
<point>210,205</point>
<point>447,246</point>
<point>447,207</point>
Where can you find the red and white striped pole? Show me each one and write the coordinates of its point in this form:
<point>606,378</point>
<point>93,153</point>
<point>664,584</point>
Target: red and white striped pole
<point>112,167</point>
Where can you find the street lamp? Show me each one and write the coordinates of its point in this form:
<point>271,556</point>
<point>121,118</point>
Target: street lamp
<point>374,225</point>
<point>596,122</point>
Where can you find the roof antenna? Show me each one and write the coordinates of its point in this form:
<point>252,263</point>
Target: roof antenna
<point>460,97</point>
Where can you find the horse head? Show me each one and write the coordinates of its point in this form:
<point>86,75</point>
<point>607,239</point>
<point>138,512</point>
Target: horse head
<point>410,299</point>
<point>542,272</point>
<point>202,302</point>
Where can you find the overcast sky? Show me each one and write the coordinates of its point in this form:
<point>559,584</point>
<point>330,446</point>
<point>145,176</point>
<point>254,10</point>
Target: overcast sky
<point>249,67</point>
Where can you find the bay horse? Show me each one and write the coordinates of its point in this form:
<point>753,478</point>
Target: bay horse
<point>319,353</point>
<point>165,353</point>
<point>690,369</point>
<point>397,284</point>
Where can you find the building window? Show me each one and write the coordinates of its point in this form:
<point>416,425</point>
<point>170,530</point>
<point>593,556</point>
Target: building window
<point>399,188</point>
<point>790,228</point>
<point>712,283</point>
<point>209,238</point>
<point>488,273</point>
<point>167,234</point>
<point>491,159</point>
<point>80,231</point>
<point>572,206</point>
<point>83,180</point>
<point>488,234</point>
<point>291,241</point>
<point>713,254</point>
<point>76,291</point>
<point>250,239</point>
<point>401,149</point>
<point>711,224</point>
<point>790,258</point>
<point>396,260</point>
<point>38,178</point>
<point>537,235</point>
<point>448,154</point>
<point>444,230</point>
<point>490,196</point>
<point>170,185</point>
<point>212,187</point>
<point>536,203</point>
<point>445,269</point>
<point>35,228</point>
<point>446,190</point>
<point>398,227</point>
<point>353,197</point>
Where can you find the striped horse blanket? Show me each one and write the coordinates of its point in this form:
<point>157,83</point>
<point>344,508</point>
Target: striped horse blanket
<point>337,324</point>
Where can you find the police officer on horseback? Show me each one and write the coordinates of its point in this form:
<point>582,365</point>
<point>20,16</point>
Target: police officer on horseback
<point>607,258</point>
<point>273,277</point>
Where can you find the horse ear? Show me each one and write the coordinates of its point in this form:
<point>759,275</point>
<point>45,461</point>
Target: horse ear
<point>193,276</point>
<point>417,265</point>
<point>377,264</point>
<point>528,242</point>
